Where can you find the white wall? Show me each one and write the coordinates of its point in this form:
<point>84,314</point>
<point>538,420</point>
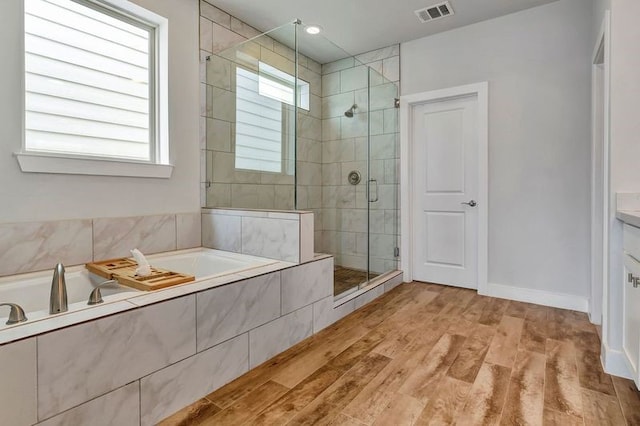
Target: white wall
<point>537,63</point>
<point>31,197</point>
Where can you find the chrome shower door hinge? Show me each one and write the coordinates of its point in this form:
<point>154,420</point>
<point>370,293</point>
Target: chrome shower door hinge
<point>396,251</point>
<point>396,103</point>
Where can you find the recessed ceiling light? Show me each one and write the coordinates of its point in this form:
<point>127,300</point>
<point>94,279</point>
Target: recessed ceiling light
<point>313,29</point>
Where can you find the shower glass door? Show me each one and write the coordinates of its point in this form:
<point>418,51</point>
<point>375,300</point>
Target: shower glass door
<point>382,183</point>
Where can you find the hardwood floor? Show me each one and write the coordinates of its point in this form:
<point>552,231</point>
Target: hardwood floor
<point>424,354</point>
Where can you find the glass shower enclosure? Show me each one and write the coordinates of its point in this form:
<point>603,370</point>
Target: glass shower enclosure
<point>295,122</point>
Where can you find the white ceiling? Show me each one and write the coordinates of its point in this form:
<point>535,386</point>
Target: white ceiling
<point>358,26</point>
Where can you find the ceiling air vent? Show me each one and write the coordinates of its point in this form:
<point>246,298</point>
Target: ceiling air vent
<point>434,12</point>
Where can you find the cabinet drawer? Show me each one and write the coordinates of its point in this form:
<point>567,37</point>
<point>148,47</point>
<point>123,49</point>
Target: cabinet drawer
<point>631,240</point>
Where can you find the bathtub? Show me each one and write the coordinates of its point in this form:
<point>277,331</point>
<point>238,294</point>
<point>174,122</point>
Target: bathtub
<point>31,291</point>
<point>207,263</point>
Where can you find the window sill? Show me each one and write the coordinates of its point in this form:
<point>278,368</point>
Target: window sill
<point>31,162</point>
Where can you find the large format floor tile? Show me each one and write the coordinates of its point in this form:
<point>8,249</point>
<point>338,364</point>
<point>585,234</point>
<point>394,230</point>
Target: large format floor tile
<point>427,354</point>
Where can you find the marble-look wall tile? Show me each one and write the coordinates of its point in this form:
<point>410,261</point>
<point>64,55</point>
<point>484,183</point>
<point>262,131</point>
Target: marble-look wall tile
<point>228,311</point>
<point>309,173</point>
<point>369,296</point>
<point>309,127</point>
<point>120,407</point>
<point>224,38</point>
<point>307,226</point>
<point>331,172</point>
<point>188,230</point>
<point>243,29</point>
<point>222,232</point>
<point>391,68</point>
<point>214,14</point>
<point>18,387</point>
<point>379,54</point>
<point>339,196</point>
<point>272,338</point>
<point>218,195</point>
<point>306,284</point>
<point>331,84</point>
<point>114,351</point>
<point>170,389</point>
<point>206,34</point>
<point>331,131</point>
<point>354,127</point>
<point>35,246</point>
<point>271,238</point>
<point>337,151</point>
<point>219,73</point>
<point>115,237</point>
<point>218,135</point>
<point>336,105</point>
<point>324,313</point>
<point>393,282</point>
<point>354,78</point>
<point>338,65</point>
<point>247,196</point>
<point>222,105</point>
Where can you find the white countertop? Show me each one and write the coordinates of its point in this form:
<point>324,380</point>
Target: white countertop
<point>631,217</point>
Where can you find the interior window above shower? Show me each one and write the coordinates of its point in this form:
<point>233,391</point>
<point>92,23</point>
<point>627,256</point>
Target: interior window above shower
<point>262,119</point>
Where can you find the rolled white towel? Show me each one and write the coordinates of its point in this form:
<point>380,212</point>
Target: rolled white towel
<point>143,268</point>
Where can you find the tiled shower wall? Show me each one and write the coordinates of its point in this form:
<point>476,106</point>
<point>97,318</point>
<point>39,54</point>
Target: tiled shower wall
<point>344,148</point>
<point>221,184</point>
<point>329,144</point>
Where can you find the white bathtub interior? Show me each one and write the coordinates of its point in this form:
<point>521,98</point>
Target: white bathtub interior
<point>31,292</point>
<point>207,263</point>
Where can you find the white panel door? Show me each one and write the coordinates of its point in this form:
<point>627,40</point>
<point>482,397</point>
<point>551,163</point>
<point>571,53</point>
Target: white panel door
<point>445,176</point>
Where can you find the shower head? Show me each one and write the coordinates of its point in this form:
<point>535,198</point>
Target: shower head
<point>349,112</point>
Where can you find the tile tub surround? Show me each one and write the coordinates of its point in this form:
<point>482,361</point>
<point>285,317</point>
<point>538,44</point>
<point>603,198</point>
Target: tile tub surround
<point>38,246</point>
<point>287,236</point>
<point>155,367</point>
<point>241,268</point>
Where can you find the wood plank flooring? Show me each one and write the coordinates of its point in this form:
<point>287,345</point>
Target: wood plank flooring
<point>424,354</point>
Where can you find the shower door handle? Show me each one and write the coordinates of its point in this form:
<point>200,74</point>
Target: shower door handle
<point>376,193</point>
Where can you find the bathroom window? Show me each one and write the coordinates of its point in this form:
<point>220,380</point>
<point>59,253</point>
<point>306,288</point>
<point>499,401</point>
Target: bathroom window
<point>261,118</point>
<point>91,90</point>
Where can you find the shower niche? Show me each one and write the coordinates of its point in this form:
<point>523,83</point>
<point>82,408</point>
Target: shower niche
<point>295,122</point>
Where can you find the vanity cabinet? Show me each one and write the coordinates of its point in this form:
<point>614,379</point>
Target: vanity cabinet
<point>631,300</point>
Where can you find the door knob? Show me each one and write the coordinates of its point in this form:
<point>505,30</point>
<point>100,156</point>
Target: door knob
<point>471,203</point>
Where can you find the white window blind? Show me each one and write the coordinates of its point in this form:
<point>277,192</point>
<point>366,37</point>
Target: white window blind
<point>258,126</point>
<point>279,85</point>
<point>88,81</point>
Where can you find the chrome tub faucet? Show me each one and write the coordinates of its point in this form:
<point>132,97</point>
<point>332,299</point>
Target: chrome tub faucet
<point>58,299</point>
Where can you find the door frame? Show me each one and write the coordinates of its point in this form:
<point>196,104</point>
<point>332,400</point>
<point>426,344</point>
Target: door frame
<point>600,106</point>
<point>407,104</point>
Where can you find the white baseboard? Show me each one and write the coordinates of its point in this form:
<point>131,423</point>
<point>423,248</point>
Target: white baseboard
<point>614,363</point>
<point>539,297</point>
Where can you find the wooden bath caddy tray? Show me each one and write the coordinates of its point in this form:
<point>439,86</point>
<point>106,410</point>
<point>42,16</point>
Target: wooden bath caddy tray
<point>124,271</point>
